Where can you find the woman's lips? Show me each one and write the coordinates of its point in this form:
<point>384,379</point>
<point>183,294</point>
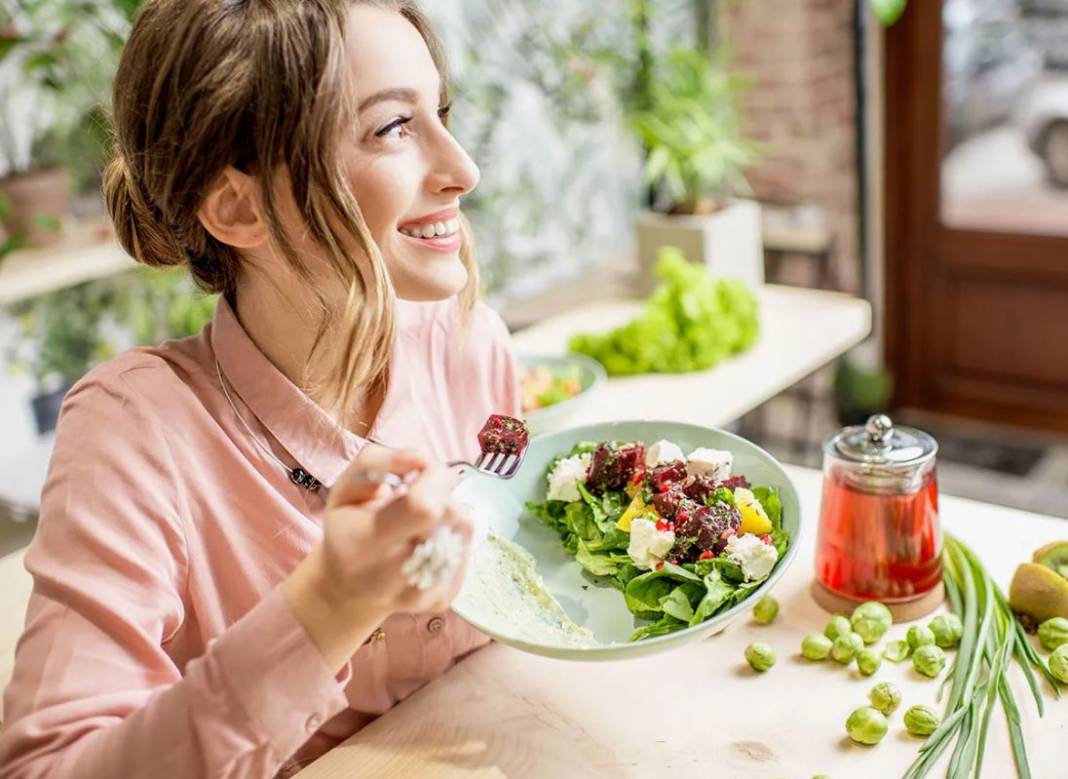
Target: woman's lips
<point>441,231</point>
<point>444,243</point>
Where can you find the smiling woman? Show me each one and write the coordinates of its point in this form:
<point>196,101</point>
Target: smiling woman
<point>201,606</point>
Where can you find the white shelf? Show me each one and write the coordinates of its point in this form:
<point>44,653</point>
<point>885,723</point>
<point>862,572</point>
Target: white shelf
<point>87,252</point>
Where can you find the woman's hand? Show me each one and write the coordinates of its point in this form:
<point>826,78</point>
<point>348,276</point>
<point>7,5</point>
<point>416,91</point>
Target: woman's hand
<point>352,580</point>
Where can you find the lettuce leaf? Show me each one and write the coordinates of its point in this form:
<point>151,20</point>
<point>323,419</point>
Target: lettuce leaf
<point>717,593</point>
<point>690,322</point>
<point>643,593</point>
<point>769,499</point>
<point>666,624</point>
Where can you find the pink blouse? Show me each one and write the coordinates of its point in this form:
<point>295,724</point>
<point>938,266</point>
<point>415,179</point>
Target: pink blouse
<point>157,641</point>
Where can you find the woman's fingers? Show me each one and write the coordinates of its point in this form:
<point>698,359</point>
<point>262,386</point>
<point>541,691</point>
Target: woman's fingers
<point>363,479</point>
<point>415,514</point>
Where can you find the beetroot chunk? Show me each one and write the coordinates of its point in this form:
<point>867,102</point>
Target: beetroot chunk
<point>503,434</point>
<point>662,476</point>
<point>700,528</point>
<point>700,488</point>
<point>667,502</point>
<point>613,466</point>
<point>734,482</point>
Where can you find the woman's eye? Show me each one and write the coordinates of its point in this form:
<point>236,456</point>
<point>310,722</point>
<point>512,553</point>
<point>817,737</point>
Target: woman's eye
<point>395,129</point>
<point>443,114</point>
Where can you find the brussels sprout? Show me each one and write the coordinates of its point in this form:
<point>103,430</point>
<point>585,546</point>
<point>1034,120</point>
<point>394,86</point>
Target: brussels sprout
<point>870,630</point>
<point>919,636</point>
<point>816,646</point>
<point>1053,632</point>
<point>885,697</point>
<point>866,725</point>
<point>896,651</point>
<point>929,660</point>
<point>921,720</point>
<point>845,648</point>
<point>838,626</point>
<point>760,656</point>
<point>871,620</point>
<point>1058,663</point>
<point>947,630</point>
<point>868,661</point>
<point>766,610</point>
<point>872,609</point>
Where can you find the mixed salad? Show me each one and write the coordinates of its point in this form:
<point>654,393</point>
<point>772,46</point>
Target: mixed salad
<point>540,387</point>
<point>679,535</point>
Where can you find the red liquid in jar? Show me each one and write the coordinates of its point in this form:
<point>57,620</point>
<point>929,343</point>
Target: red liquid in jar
<point>879,546</point>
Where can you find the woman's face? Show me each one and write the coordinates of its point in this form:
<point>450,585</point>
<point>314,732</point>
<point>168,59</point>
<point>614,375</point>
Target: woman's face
<point>405,168</point>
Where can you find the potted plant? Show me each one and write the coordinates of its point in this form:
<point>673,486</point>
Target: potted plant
<point>860,392</point>
<point>685,112</point>
<point>66,332</point>
<point>57,58</point>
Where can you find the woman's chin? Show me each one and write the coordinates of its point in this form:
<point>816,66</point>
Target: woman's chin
<point>430,281</point>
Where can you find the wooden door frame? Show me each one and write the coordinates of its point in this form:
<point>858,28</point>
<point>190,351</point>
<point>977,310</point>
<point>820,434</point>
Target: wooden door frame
<point>913,233</point>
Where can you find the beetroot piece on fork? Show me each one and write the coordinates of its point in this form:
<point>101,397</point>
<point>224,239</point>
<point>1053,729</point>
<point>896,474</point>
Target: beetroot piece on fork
<point>503,434</point>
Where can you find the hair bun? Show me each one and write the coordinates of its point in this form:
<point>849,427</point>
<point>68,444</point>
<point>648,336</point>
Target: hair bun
<point>139,225</point>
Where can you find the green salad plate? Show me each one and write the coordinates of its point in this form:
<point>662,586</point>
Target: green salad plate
<point>506,599</point>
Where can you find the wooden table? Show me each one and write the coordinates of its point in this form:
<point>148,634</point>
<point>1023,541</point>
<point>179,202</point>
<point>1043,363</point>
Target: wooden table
<point>698,711</point>
<point>802,330</point>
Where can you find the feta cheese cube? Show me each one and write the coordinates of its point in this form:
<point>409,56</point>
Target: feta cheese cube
<point>713,463</point>
<point>663,452</point>
<point>754,556</point>
<point>566,476</point>
<point>648,546</point>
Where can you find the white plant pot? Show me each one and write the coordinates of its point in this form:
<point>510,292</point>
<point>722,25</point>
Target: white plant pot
<point>728,242</point>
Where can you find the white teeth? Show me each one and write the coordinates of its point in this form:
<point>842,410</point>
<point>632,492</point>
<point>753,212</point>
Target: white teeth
<point>433,230</point>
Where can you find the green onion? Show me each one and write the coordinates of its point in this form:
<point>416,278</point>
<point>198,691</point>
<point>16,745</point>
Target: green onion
<point>992,640</point>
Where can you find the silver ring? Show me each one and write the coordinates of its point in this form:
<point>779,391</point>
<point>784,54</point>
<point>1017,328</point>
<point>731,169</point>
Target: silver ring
<point>434,562</point>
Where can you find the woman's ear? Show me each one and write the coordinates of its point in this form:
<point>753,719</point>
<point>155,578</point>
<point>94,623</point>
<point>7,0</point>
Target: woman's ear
<point>231,211</point>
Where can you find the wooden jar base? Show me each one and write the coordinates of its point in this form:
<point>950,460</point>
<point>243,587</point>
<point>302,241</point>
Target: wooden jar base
<point>906,611</point>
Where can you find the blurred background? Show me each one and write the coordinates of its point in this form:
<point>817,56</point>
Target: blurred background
<point>911,155</point>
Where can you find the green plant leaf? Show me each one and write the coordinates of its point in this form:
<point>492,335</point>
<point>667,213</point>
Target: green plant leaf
<point>7,45</point>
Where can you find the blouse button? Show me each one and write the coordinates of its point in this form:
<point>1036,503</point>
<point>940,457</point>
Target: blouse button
<point>435,625</point>
<point>314,722</point>
<point>378,635</point>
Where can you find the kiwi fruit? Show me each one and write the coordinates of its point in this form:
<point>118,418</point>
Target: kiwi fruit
<point>1038,593</point>
<point>1054,556</point>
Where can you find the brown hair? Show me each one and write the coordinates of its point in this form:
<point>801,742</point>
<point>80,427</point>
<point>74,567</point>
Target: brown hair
<point>260,85</point>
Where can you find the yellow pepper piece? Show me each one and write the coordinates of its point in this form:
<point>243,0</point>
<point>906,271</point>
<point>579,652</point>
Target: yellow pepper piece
<point>754,518</point>
<point>637,508</point>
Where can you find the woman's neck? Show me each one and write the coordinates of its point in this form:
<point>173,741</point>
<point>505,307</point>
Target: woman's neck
<point>284,327</point>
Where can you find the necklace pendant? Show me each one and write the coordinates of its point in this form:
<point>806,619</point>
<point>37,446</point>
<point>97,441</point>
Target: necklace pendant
<point>302,478</point>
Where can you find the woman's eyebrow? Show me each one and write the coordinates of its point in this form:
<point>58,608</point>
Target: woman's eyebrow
<point>400,93</point>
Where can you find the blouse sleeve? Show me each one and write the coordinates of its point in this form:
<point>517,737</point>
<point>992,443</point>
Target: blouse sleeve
<point>95,692</point>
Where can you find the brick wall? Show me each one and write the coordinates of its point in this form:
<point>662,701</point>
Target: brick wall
<point>801,106</point>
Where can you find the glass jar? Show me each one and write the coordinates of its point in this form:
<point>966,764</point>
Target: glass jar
<point>879,533</point>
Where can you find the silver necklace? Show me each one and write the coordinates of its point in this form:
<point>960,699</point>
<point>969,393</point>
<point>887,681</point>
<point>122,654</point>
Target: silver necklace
<point>297,475</point>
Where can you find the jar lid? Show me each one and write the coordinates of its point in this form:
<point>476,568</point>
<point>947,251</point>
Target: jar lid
<point>879,443</point>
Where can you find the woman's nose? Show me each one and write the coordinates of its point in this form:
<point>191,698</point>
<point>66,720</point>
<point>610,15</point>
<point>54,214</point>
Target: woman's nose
<point>452,171</point>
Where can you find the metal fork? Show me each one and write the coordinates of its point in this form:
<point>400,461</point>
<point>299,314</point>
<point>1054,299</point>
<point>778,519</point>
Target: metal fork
<point>498,463</point>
